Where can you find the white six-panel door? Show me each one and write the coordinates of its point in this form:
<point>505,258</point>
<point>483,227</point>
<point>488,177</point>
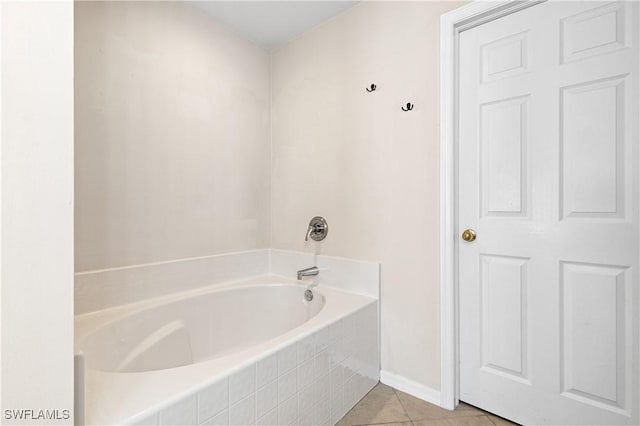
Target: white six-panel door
<point>548,179</point>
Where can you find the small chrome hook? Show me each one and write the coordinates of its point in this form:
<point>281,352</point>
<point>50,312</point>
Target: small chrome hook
<point>409,107</point>
<point>373,88</point>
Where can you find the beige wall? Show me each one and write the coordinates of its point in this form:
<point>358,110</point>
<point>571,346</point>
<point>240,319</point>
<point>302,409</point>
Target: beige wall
<point>172,135</point>
<point>36,261</point>
<point>371,169</point>
<point>172,124</point>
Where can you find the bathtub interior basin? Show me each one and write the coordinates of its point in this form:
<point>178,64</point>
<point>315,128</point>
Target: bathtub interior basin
<point>193,330</point>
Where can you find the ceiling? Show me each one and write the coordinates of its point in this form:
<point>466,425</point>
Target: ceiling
<point>272,23</point>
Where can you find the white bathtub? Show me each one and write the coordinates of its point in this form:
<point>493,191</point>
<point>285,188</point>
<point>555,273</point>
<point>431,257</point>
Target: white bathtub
<point>226,355</point>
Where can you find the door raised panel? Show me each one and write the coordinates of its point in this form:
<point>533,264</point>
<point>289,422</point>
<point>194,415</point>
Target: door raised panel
<point>506,57</point>
<point>594,32</point>
<point>503,151</point>
<point>592,139</point>
<point>594,333</point>
<point>504,315</point>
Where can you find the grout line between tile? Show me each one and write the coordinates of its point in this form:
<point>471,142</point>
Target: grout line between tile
<point>395,392</point>
<point>490,419</point>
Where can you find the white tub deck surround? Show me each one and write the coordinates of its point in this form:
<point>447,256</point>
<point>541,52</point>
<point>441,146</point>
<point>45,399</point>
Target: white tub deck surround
<point>252,351</point>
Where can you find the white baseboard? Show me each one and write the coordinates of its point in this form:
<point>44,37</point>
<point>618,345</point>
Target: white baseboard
<point>409,386</point>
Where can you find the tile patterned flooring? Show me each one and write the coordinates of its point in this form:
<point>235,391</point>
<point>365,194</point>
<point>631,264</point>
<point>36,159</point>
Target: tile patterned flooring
<point>389,407</point>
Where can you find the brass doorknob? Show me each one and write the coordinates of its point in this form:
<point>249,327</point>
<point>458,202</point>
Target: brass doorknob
<point>469,235</point>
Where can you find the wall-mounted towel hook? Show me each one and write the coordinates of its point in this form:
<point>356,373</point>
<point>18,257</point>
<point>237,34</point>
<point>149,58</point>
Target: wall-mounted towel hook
<point>409,107</point>
<point>373,88</point>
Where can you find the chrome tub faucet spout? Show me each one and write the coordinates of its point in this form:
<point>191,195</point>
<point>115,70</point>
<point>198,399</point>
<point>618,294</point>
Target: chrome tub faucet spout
<point>308,272</point>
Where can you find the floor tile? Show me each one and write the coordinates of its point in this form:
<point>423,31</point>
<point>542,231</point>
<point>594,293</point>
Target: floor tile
<point>418,409</point>
<point>381,405</point>
<point>465,406</point>
<point>385,406</point>
<point>499,421</point>
<point>456,421</point>
<point>391,424</point>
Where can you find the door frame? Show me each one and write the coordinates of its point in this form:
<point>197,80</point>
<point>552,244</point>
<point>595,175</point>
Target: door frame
<point>451,25</point>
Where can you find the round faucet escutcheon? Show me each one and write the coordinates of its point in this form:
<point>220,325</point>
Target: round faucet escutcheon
<point>318,229</point>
